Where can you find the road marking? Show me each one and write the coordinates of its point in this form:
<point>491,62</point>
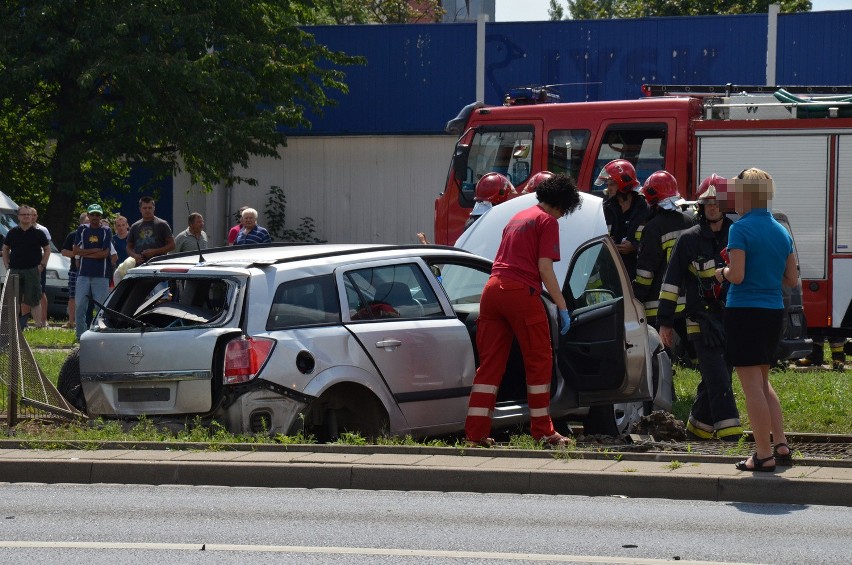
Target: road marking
<point>380,551</point>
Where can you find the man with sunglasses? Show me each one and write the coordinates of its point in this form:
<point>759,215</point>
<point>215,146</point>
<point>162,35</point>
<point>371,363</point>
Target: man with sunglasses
<point>92,246</point>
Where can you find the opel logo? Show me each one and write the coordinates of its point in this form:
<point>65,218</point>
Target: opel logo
<point>135,355</point>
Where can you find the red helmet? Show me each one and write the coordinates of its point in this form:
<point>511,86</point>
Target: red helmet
<point>714,187</point>
<point>536,180</point>
<point>494,188</point>
<point>660,189</point>
<point>622,172</point>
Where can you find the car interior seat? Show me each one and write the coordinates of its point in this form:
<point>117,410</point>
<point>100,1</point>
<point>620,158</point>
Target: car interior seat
<point>398,295</point>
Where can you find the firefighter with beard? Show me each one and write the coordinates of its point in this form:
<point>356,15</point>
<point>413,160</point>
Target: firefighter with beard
<point>625,209</point>
<point>658,239</point>
<point>692,272</point>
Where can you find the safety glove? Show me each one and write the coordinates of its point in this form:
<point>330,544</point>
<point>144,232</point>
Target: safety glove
<point>564,321</point>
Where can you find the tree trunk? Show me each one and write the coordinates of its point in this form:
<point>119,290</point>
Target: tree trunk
<point>60,213</point>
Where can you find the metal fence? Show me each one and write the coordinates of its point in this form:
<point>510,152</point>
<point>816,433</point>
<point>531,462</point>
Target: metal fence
<point>25,392</point>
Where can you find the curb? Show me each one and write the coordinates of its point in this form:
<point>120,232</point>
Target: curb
<point>714,482</point>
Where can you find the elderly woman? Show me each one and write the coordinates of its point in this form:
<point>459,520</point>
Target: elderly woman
<point>761,261</point>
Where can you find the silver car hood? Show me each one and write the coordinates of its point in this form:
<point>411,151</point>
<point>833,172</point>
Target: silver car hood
<point>585,223</point>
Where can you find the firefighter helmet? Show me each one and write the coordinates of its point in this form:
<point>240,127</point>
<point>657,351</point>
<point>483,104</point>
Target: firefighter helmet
<point>714,187</point>
<point>494,188</point>
<point>660,189</point>
<point>536,180</point>
<point>622,172</point>
<point>712,190</point>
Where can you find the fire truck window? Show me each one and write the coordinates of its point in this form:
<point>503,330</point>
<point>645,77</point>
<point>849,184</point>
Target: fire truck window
<point>507,152</point>
<point>644,145</point>
<point>565,151</point>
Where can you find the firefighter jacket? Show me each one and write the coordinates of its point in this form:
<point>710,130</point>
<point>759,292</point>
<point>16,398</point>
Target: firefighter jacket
<point>692,274</point>
<point>655,248</point>
<point>627,225</point>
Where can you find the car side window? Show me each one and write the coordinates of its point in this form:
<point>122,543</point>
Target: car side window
<point>594,277</point>
<point>304,302</point>
<point>462,283</point>
<point>390,291</point>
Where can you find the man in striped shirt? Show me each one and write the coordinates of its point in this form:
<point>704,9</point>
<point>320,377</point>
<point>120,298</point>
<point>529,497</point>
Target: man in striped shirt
<point>251,232</point>
<point>92,246</point>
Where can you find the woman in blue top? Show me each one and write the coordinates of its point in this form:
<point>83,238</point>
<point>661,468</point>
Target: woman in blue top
<point>762,260</point>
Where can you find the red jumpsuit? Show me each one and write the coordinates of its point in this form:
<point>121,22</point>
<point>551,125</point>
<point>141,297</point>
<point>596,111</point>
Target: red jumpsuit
<point>511,306</point>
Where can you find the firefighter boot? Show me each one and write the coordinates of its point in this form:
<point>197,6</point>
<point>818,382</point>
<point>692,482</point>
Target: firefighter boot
<point>816,358</point>
<point>838,355</point>
<point>698,431</point>
<point>730,433</point>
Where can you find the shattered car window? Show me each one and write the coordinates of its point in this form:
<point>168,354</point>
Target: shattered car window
<point>163,302</point>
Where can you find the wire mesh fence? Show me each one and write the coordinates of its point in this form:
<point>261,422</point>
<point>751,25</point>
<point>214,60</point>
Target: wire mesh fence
<point>25,392</point>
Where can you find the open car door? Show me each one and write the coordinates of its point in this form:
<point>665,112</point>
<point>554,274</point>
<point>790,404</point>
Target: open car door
<point>605,356</point>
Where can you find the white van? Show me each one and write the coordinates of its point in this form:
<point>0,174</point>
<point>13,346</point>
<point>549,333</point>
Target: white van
<point>57,265</point>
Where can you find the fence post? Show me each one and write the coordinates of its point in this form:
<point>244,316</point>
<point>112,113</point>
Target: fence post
<point>10,322</point>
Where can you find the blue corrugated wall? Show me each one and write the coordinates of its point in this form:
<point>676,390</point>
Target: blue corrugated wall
<point>815,48</point>
<point>419,76</point>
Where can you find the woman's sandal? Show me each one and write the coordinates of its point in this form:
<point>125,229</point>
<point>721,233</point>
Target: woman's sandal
<point>759,464</point>
<point>785,459</point>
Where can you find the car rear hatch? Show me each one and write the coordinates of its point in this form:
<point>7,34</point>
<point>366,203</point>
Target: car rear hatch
<point>157,347</point>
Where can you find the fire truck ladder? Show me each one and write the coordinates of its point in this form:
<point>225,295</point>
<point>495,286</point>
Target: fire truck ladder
<point>761,102</point>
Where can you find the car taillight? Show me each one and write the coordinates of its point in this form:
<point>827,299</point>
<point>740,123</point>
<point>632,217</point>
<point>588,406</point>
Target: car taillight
<point>244,357</point>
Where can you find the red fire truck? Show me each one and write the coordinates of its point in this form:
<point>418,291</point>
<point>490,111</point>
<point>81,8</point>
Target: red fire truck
<point>801,135</point>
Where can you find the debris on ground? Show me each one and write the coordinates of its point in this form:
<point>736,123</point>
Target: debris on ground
<point>600,439</point>
<point>662,426</point>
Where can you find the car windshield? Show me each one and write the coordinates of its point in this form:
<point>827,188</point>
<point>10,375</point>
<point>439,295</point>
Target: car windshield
<point>167,302</point>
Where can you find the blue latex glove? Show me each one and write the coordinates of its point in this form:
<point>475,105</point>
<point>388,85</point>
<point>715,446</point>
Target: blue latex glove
<point>564,321</point>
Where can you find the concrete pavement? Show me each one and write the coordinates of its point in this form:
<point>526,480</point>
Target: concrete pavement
<point>635,475</point>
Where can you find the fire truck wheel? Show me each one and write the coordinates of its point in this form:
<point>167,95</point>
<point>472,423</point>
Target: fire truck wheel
<point>69,385</point>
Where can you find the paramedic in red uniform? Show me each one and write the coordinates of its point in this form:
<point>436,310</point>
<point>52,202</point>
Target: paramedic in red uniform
<point>511,306</point>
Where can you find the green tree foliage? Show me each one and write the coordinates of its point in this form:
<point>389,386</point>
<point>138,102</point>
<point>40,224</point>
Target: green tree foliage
<point>374,12</point>
<point>276,216</point>
<point>604,9</point>
<point>196,85</point>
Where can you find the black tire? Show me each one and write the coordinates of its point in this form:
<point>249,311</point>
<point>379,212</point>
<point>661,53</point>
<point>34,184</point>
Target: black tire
<point>613,419</point>
<point>69,384</point>
<point>600,421</point>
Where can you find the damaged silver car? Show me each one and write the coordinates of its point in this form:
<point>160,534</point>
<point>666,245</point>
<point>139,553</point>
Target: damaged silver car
<point>377,339</point>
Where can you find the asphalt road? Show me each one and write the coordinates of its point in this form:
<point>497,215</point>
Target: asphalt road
<point>66,523</point>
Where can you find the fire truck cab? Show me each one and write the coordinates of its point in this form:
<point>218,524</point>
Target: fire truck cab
<point>801,135</point>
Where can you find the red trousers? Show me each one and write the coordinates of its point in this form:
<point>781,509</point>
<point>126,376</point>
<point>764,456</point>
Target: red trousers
<point>509,309</point>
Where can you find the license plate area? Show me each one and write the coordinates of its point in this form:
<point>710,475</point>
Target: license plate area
<point>131,395</point>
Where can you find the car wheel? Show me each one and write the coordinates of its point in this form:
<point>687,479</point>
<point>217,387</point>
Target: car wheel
<point>69,384</point>
<point>346,408</point>
<point>613,419</point>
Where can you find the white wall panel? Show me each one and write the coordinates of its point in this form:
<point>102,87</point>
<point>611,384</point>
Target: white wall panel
<point>378,189</point>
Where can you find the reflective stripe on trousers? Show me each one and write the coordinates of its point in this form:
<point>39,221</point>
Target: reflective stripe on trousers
<point>508,310</point>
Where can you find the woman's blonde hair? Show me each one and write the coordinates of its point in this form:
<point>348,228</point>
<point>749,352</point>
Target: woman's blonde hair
<point>757,185</point>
